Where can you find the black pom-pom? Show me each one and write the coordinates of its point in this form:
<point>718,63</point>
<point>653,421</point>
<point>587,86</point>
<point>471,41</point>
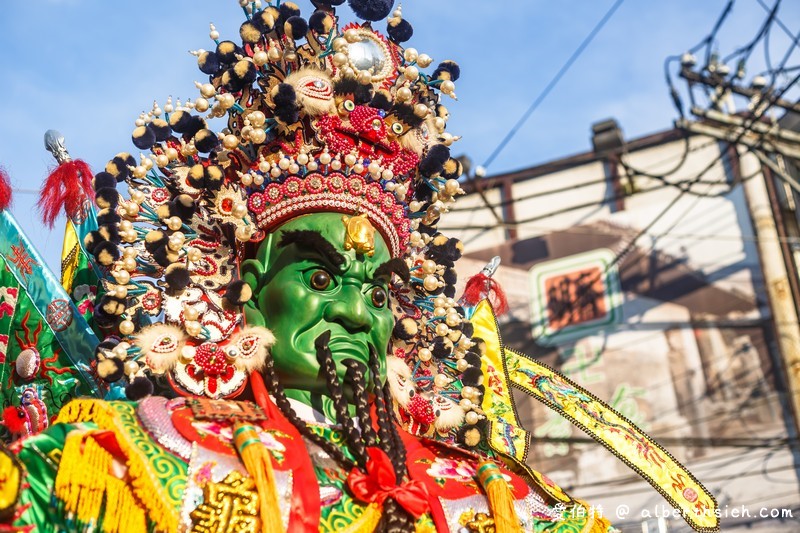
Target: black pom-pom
<point>371,9</point>
<point>110,370</point>
<point>424,194</point>
<point>481,391</point>
<point>231,81</point>
<point>245,71</point>
<point>406,329</point>
<point>449,291</point>
<point>327,3</point>
<point>182,206</point>
<point>472,376</point>
<point>434,160</point>
<point>197,176</point>
<point>103,349</point>
<point>452,169</point>
<point>161,129</point>
<point>399,30</point>
<point>138,389</point>
<point>103,180</point>
<point>295,27</point>
<point>143,137</point>
<point>154,240</point>
<point>194,125</point>
<point>441,348</point>
<point>209,177</point>
<point>205,140</point>
<point>467,328</point>
<point>480,346</point>
<point>250,32</point>
<point>106,217</point>
<point>106,253</point>
<point>447,70</point>
<point>103,319</point>
<point>227,51</point>
<point>177,277</point>
<point>361,92</point>
<point>214,176</point>
<point>92,239</point>
<point>469,436</point>
<point>473,359</point>
<point>450,276</point>
<point>445,251</point>
<point>109,233</point>
<point>106,198</point>
<point>164,256</point>
<point>238,293</point>
<point>286,108</point>
<point>208,62</point>
<point>288,10</point>
<point>406,114</point>
<point>119,166</point>
<point>179,120</point>
<point>264,20</point>
<point>381,100</point>
<point>321,22</point>
<point>112,306</point>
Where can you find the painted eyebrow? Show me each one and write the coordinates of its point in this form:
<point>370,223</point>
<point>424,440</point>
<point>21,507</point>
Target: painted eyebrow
<point>396,265</point>
<point>312,240</point>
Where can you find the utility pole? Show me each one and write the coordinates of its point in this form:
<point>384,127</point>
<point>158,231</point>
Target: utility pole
<point>760,144</point>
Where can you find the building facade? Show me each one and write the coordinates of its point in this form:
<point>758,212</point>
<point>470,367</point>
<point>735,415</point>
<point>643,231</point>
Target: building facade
<point>638,270</point>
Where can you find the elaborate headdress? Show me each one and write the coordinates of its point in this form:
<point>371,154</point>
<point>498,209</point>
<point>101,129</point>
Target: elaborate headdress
<point>319,118</point>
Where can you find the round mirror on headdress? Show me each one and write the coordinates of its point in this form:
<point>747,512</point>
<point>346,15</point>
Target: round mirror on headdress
<point>369,51</point>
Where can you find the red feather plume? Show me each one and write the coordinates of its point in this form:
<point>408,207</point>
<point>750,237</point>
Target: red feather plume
<point>5,190</point>
<point>68,187</point>
<point>481,286</point>
<point>14,419</point>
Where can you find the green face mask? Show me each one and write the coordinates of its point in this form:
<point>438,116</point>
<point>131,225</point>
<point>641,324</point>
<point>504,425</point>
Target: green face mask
<point>314,284</point>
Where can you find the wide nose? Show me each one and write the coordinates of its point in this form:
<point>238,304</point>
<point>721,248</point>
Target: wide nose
<point>349,310</point>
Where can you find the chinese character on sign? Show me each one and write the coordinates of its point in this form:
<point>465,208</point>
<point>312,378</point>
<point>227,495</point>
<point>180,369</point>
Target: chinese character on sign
<point>575,296</point>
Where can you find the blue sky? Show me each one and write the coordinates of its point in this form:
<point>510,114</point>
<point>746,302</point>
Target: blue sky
<point>89,67</point>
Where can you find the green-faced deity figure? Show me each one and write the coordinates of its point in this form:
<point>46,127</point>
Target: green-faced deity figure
<point>280,345</point>
<point>306,283</point>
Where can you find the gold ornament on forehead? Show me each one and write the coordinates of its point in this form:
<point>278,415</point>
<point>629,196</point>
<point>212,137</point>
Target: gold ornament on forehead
<point>359,234</point>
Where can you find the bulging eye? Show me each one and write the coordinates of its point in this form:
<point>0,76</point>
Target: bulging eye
<point>397,128</point>
<point>379,297</point>
<point>349,105</point>
<point>320,280</point>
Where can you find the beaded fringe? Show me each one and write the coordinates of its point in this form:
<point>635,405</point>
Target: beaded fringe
<point>90,492</point>
<point>99,412</point>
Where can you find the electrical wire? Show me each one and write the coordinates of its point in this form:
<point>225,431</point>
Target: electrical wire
<point>743,52</point>
<point>553,82</point>
<point>561,190</point>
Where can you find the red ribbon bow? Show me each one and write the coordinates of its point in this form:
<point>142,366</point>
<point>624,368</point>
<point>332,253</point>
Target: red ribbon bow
<point>380,482</point>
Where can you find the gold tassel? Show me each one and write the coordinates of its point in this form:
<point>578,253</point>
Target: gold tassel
<point>501,501</point>
<point>258,462</point>
<point>81,477</point>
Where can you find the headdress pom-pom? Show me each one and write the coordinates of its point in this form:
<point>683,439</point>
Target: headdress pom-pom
<point>371,9</point>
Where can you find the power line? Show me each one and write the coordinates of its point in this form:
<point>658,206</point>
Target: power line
<point>549,87</point>
<point>602,180</point>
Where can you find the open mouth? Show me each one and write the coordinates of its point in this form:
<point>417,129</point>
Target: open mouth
<point>366,145</point>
